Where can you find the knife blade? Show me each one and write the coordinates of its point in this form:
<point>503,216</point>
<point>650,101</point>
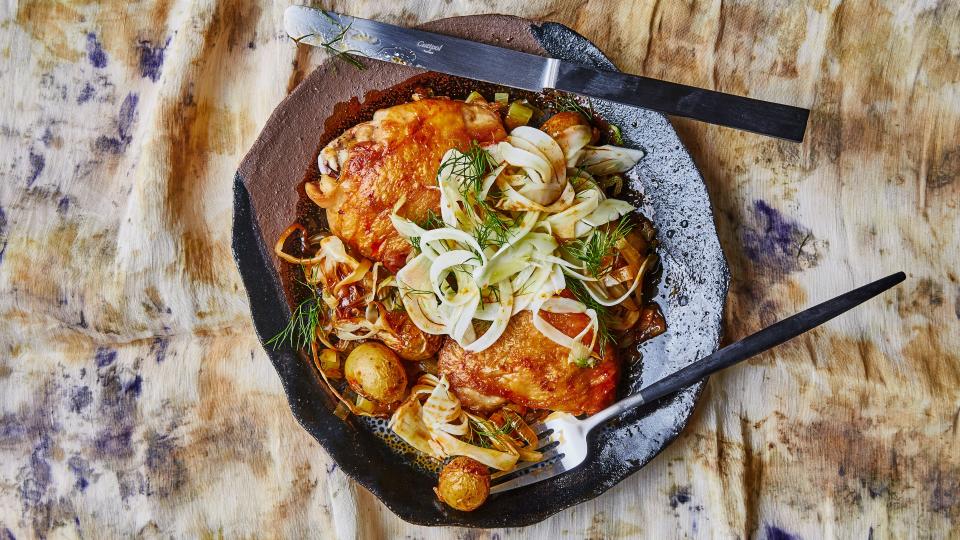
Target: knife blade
<point>343,34</point>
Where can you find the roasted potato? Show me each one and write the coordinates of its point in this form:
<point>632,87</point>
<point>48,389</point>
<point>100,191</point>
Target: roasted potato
<point>375,372</point>
<point>464,484</point>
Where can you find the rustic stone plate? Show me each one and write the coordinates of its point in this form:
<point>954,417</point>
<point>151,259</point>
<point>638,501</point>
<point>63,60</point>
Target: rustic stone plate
<point>665,185</point>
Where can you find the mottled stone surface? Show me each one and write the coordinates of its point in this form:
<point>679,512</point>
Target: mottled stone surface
<point>135,400</point>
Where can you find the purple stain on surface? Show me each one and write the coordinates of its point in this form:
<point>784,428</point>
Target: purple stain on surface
<point>98,58</point>
<point>37,163</point>
<point>11,428</point>
<point>151,59</point>
<point>80,397</point>
<point>128,115</point>
<point>47,137</point>
<point>118,410</point>
<point>134,387</point>
<point>945,497</point>
<point>776,533</point>
<point>63,205</point>
<point>114,441</point>
<point>680,495</point>
<point>169,473</point>
<point>86,93</point>
<point>159,348</point>
<point>7,534</point>
<point>105,356</point>
<point>125,120</point>
<point>773,240</point>
<point>37,475</point>
<point>81,470</point>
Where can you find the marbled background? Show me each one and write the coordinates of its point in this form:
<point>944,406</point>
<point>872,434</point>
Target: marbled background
<point>136,401</point>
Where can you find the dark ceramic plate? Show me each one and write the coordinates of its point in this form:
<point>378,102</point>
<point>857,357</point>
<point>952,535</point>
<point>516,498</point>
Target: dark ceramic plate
<point>666,186</point>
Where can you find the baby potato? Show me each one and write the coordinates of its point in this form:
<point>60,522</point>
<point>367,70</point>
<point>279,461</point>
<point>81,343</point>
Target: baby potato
<point>464,484</point>
<point>374,371</point>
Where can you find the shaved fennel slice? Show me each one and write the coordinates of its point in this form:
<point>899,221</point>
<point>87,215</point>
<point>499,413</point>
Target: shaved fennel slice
<point>416,293</point>
<point>516,257</point>
<point>530,288</point>
<point>534,164</point>
<point>514,200</point>
<point>441,266</point>
<point>461,319</point>
<point>500,320</point>
<point>546,145</point>
<point>607,159</point>
<point>407,422</point>
<point>406,227</point>
<point>573,140</point>
<point>450,198</point>
<point>564,224</point>
<point>606,211</point>
<point>496,459</point>
<point>441,411</point>
<point>598,294</point>
<point>578,350</point>
<point>435,236</point>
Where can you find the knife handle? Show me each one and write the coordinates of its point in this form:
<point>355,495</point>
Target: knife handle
<point>764,117</point>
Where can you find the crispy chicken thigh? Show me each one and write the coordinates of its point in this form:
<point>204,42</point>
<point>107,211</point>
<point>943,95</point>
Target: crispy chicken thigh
<point>525,367</point>
<point>391,158</point>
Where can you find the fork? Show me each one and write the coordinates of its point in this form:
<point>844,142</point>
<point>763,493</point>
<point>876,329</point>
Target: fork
<point>564,437</point>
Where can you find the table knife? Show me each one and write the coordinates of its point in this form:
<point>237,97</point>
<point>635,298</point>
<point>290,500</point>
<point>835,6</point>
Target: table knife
<point>343,34</point>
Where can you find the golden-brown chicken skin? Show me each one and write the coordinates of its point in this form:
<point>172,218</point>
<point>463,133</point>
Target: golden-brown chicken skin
<point>527,368</point>
<point>408,341</point>
<point>395,157</point>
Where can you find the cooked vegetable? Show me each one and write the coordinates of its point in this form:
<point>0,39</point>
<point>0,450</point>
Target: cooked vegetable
<point>432,421</point>
<point>464,484</point>
<point>609,159</point>
<point>475,97</point>
<point>519,114</point>
<point>497,251</point>
<point>374,371</point>
<point>501,98</point>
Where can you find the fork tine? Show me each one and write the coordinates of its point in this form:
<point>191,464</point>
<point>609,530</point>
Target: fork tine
<point>547,456</point>
<point>530,478</point>
<point>542,430</point>
<point>548,445</point>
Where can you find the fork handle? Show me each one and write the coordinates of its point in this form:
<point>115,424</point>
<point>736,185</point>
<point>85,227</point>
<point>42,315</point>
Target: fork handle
<point>749,346</point>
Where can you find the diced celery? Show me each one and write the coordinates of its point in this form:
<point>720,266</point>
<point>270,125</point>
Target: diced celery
<point>519,114</point>
<point>365,404</point>
<point>501,97</point>
<point>475,97</point>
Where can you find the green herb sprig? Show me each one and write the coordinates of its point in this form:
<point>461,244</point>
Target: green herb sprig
<point>487,431</point>
<point>604,334</point>
<point>490,227</point>
<point>301,330</point>
<point>567,102</point>
<point>341,54</point>
<point>595,250</point>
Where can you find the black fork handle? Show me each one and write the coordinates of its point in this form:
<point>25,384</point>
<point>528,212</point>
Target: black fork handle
<point>747,347</point>
<point>767,338</point>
